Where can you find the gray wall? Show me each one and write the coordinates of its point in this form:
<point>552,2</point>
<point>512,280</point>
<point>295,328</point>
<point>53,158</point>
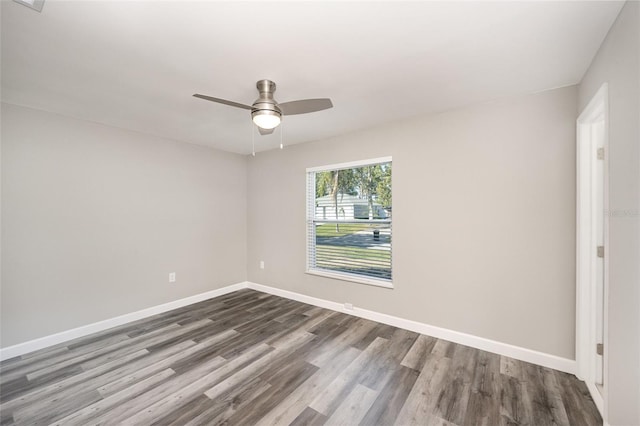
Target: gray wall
<point>484,219</point>
<point>94,218</point>
<point>617,63</point>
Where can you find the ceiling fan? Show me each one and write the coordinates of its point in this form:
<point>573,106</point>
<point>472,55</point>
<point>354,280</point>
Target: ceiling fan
<point>266,112</point>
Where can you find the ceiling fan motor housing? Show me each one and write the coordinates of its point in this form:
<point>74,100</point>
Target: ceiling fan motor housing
<point>266,104</point>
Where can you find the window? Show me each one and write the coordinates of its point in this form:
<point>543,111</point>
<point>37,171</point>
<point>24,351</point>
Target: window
<point>349,221</point>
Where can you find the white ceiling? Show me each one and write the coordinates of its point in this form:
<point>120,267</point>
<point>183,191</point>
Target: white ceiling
<point>135,65</point>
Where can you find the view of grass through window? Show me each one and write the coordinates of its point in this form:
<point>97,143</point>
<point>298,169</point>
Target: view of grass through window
<point>350,220</point>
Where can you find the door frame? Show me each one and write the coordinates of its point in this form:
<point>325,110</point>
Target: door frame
<point>586,151</point>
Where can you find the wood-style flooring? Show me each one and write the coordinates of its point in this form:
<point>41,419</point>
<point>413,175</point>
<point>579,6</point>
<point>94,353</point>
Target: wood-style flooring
<point>252,358</point>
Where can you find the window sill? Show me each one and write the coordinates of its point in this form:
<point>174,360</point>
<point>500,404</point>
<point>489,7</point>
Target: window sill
<point>351,278</point>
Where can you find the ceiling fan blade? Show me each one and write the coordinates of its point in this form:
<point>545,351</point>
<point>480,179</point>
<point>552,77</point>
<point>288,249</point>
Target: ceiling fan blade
<point>265,131</point>
<point>304,106</point>
<point>222,101</point>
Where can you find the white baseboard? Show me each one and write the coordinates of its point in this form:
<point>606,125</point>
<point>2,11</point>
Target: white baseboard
<point>522,354</point>
<point>65,336</point>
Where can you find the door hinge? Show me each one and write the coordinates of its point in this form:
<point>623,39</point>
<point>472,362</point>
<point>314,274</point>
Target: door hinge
<point>600,153</point>
<point>600,251</point>
<point>599,348</point>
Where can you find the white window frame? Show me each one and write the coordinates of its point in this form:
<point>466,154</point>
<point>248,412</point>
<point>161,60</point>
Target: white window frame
<point>310,220</point>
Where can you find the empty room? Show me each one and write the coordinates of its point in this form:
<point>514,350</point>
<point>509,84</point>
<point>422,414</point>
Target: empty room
<point>320,213</point>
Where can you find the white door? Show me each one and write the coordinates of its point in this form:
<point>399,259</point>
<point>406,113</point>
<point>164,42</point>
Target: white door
<point>591,255</point>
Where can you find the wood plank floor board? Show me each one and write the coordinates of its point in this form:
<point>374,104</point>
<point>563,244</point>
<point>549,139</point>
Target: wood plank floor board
<point>297,311</point>
<point>348,336</point>
<point>282,385</point>
<point>298,400</point>
<point>379,330</point>
<point>126,347</point>
<point>13,388</point>
<point>230,403</point>
<point>419,352</point>
<point>44,415</point>
<point>444,348</point>
<point>264,367</point>
<point>137,406</point>
<point>514,408</point>
<point>577,400</point>
<point>437,421</point>
<point>187,412</point>
<point>382,368</point>
<point>546,403</point>
<point>454,398</point>
<point>425,394</point>
<point>194,389</point>
<point>95,376</point>
<point>271,373</point>
<point>184,315</point>
<point>268,304</point>
<point>234,320</point>
<point>348,320</point>
<point>229,310</point>
<point>248,358</point>
<point>336,319</point>
<point>309,417</point>
<point>105,403</point>
<point>354,407</point>
<point>330,397</point>
<point>201,351</point>
<point>313,310</point>
<point>66,392</point>
<point>261,334</point>
<point>7,421</point>
<point>326,326</point>
<point>301,327</point>
<point>260,318</point>
<point>483,408</point>
<point>183,333</point>
<point>392,396</point>
<point>512,367</point>
<point>18,387</point>
<point>122,378</point>
<point>194,358</point>
<point>90,344</point>
<point>56,358</point>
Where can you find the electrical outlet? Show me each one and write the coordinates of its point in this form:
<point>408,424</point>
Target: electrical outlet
<point>172,277</point>
<point>262,264</point>
<point>348,306</point>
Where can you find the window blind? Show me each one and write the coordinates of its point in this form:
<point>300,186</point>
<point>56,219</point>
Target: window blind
<point>349,225</point>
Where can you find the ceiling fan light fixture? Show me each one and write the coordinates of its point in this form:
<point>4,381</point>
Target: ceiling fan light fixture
<point>266,119</point>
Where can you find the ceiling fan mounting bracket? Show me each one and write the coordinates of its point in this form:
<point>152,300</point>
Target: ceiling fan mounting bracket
<point>266,86</point>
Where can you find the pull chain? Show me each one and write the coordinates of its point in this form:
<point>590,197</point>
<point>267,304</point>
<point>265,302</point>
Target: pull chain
<point>253,141</point>
<point>281,129</point>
